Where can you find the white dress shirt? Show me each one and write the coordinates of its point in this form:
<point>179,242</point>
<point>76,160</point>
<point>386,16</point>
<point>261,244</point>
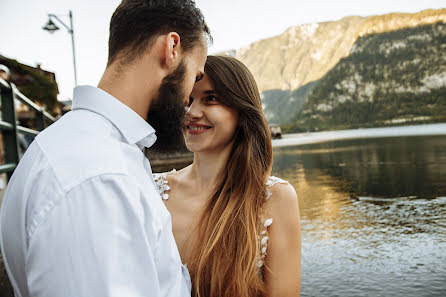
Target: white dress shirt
<point>81,215</point>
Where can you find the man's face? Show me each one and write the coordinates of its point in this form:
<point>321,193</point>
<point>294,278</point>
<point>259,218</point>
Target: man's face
<point>195,60</point>
<point>167,111</point>
<point>3,75</point>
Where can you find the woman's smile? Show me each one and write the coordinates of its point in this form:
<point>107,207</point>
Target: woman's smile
<point>196,128</point>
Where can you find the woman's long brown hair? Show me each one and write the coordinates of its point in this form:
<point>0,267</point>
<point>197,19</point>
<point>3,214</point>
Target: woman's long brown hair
<point>223,262</point>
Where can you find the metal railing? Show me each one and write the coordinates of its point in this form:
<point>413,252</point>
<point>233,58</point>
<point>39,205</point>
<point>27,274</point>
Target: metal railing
<point>10,127</point>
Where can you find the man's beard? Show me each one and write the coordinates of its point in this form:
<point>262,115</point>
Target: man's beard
<point>167,111</point>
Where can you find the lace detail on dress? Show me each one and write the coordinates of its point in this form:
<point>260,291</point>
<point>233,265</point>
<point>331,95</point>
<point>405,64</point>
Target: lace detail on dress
<point>163,186</point>
<point>272,180</point>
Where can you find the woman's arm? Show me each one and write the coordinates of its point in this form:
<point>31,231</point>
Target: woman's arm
<point>282,272</point>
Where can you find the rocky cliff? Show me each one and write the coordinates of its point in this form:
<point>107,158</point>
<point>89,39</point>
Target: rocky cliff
<point>291,68</point>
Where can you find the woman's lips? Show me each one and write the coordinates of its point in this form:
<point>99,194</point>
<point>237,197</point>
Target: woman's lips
<point>196,129</point>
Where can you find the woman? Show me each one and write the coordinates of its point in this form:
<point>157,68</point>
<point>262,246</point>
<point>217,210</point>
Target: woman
<point>237,229</point>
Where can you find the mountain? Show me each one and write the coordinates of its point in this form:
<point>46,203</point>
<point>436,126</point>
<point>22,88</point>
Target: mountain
<point>389,78</point>
<point>291,68</point>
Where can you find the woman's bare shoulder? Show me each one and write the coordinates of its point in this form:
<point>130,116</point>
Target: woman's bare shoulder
<point>283,204</point>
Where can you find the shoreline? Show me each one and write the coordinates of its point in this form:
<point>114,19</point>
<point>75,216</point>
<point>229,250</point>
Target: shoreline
<point>296,139</point>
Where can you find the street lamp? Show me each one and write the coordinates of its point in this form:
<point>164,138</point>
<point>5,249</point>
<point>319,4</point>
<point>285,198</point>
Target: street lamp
<point>51,27</point>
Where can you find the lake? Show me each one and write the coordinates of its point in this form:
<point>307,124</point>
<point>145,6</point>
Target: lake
<point>373,214</point>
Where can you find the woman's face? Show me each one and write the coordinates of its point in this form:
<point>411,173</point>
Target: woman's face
<point>210,125</point>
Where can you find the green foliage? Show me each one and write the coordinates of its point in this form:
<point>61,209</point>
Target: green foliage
<point>395,64</point>
<point>379,112</point>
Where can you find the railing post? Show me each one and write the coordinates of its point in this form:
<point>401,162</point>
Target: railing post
<point>10,143</point>
<point>40,120</point>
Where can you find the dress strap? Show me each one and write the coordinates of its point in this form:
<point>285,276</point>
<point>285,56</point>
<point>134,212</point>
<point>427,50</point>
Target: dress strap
<point>272,180</point>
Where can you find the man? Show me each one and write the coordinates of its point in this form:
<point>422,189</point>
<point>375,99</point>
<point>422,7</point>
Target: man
<point>4,72</point>
<point>81,215</point>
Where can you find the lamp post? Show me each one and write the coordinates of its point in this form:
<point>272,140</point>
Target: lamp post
<point>50,26</point>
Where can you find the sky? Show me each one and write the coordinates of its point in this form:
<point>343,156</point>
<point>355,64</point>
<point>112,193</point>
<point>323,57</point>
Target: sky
<point>234,24</point>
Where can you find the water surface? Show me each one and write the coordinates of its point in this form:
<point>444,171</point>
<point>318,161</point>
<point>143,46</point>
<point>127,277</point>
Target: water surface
<point>373,215</point>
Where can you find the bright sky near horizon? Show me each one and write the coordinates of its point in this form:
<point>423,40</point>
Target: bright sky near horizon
<point>234,24</point>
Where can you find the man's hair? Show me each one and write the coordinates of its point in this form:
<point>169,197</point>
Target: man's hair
<point>136,23</point>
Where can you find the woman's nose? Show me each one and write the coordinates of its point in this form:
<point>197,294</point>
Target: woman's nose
<point>194,110</point>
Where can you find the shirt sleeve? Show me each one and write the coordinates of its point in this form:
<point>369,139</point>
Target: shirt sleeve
<point>95,242</point>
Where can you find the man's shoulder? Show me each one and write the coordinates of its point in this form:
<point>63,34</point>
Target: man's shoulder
<point>82,145</point>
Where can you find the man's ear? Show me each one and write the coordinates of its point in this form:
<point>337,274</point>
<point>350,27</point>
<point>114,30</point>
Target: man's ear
<point>172,50</point>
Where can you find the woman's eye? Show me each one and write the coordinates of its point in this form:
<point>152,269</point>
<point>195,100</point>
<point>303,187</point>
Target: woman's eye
<point>212,99</point>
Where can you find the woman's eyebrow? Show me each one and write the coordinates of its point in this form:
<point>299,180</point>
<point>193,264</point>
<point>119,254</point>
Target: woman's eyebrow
<point>209,92</point>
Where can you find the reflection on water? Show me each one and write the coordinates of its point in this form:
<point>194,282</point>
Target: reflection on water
<point>373,215</point>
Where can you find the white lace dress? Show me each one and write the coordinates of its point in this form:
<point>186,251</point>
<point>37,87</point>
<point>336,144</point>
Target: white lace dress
<point>163,187</point>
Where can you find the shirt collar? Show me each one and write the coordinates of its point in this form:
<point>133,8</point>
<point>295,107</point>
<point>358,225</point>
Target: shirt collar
<point>133,127</point>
